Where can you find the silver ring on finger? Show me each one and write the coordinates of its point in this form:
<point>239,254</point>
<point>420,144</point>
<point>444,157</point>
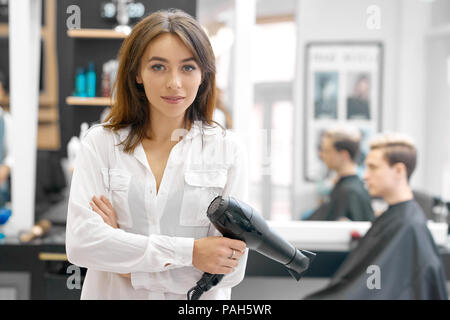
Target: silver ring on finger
<point>232,255</point>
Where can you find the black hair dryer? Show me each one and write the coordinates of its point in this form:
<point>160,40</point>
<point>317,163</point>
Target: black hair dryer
<point>237,220</point>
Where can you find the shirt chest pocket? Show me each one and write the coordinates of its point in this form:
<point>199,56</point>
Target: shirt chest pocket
<point>200,188</point>
<point>117,182</point>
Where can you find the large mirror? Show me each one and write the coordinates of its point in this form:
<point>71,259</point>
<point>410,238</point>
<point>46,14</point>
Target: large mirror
<point>288,177</point>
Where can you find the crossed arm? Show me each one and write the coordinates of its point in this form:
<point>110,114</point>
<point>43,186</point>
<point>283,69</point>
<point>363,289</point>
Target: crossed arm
<point>215,255</point>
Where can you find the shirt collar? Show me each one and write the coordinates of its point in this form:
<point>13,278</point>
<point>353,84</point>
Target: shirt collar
<point>123,133</point>
<point>199,128</point>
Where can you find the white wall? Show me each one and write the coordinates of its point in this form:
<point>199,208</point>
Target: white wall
<point>403,23</point>
<point>437,112</point>
<point>411,101</point>
<point>440,13</point>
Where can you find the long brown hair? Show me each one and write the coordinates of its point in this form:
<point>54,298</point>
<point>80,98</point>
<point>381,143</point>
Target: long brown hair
<point>130,105</point>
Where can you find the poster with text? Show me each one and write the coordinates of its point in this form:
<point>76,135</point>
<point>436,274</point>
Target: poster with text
<point>343,83</point>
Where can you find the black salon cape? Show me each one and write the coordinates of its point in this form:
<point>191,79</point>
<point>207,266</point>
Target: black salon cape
<point>401,245</point>
<point>348,199</point>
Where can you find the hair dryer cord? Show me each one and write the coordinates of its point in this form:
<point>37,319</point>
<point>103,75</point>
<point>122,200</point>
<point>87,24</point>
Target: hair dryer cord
<point>206,282</point>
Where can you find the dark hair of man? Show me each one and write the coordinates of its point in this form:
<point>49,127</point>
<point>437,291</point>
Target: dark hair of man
<point>345,140</point>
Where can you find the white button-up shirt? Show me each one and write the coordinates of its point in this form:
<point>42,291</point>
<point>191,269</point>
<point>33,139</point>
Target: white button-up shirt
<point>155,238</point>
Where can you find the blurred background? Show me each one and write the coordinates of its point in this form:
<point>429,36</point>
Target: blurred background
<point>286,70</point>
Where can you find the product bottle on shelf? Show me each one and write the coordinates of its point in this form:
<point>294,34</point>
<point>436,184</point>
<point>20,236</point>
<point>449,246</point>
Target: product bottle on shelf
<point>91,80</point>
<point>80,83</point>
<point>106,82</point>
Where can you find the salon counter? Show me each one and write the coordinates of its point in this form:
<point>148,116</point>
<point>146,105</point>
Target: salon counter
<point>39,269</point>
<point>35,270</point>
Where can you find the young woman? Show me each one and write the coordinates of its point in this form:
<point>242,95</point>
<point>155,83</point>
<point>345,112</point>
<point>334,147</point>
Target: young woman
<point>143,180</point>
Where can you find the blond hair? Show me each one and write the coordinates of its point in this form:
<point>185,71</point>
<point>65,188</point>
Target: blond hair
<point>397,148</point>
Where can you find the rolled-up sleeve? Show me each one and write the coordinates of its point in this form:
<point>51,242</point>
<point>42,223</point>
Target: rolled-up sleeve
<point>92,243</point>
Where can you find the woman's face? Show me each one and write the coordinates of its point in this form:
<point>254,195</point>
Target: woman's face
<point>170,75</point>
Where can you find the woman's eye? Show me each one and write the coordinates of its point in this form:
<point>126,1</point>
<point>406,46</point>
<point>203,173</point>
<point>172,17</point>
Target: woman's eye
<point>188,68</point>
<point>158,67</point>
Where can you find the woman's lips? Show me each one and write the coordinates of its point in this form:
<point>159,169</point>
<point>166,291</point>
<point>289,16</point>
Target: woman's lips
<point>172,99</point>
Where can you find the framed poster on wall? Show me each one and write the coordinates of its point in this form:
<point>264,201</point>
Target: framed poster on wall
<point>343,83</point>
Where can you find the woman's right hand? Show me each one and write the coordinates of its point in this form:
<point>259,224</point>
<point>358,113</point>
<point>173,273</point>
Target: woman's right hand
<point>104,209</point>
<point>215,254</point>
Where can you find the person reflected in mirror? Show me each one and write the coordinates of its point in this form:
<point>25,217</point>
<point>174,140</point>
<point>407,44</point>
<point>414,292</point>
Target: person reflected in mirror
<point>349,199</point>
<point>397,258</point>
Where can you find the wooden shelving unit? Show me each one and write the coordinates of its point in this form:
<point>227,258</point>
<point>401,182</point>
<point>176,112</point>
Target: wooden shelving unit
<point>46,113</point>
<point>4,30</point>
<point>48,137</point>
<point>96,34</point>
<point>44,100</point>
<point>92,34</point>
<point>49,115</point>
<point>97,101</point>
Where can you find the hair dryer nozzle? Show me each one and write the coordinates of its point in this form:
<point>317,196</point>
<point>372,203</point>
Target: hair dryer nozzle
<point>300,263</point>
